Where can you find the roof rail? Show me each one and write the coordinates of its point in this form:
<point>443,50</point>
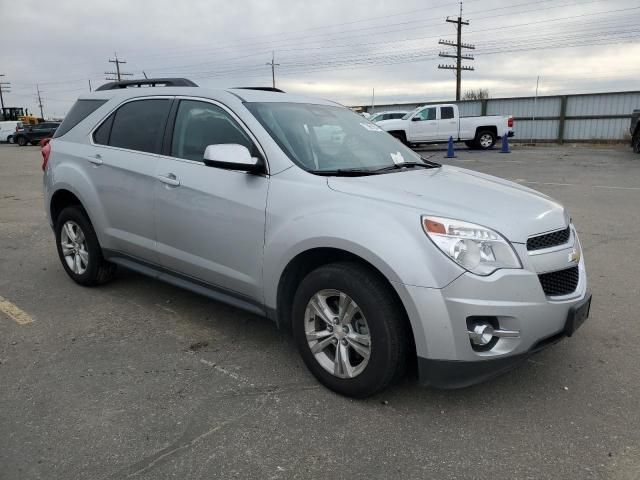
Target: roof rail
<point>264,89</point>
<point>151,82</point>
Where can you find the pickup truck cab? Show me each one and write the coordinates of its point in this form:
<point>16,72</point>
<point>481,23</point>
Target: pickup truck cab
<point>436,123</point>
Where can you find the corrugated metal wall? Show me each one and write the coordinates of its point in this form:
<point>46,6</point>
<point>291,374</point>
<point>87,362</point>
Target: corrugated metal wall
<point>601,116</point>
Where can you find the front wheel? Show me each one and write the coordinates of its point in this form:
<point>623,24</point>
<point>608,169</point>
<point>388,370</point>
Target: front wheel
<point>485,139</point>
<point>349,329</point>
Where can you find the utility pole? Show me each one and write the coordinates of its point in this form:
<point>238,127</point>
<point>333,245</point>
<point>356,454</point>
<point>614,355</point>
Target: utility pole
<point>535,105</point>
<point>90,89</point>
<point>273,68</point>
<point>118,74</point>
<point>4,85</point>
<point>373,100</point>
<point>458,67</point>
<point>40,102</point>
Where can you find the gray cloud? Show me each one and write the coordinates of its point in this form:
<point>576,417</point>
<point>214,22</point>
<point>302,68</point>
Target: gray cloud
<point>325,48</point>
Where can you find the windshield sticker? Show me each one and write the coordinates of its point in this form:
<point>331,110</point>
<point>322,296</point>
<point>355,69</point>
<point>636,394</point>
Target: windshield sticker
<point>371,127</point>
<point>397,158</point>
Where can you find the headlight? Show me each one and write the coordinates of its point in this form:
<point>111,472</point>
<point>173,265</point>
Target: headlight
<point>477,249</point>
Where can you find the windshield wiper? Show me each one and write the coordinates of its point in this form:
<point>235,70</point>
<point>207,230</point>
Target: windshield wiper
<point>400,166</point>
<point>344,172</point>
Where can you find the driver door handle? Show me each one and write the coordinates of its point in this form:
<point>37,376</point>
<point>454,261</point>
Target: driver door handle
<point>169,179</point>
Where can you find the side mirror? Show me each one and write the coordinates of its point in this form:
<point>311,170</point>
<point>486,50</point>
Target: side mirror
<point>416,119</point>
<point>231,156</point>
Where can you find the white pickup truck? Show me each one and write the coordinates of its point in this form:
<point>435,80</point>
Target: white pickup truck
<point>436,123</point>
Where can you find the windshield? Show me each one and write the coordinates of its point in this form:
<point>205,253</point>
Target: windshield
<point>408,115</point>
<point>322,138</point>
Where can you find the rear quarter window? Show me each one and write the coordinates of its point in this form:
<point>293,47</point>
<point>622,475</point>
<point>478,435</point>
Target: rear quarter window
<point>80,110</point>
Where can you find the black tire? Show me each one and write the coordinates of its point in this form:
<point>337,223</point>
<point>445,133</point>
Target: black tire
<point>479,140</point>
<point>10,139</point>
<point>97,270</point>
<point>400,135</point>
<point>22,141</point>
<point>636,143</point>
<point>385,319</point>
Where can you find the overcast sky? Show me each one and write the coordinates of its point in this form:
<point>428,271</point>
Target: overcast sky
<point>336,49</point>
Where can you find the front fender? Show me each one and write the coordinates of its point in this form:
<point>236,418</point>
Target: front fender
<point>306,214</point>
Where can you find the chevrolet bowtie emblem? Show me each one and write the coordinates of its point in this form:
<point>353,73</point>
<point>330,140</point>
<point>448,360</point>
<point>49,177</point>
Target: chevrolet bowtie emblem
<point>574,256</point>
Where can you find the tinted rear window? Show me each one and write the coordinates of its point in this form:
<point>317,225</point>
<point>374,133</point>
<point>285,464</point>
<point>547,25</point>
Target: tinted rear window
<point>80,110</point>
<point>446,113</point>
<point>139,125</point>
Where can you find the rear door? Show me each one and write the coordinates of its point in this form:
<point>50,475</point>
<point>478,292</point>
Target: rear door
<point>424,126</point>
<point>447,123</point>
<point>210,221</point>
<point>124,157</point>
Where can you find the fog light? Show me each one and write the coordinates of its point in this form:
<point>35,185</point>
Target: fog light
<point>482,334</point>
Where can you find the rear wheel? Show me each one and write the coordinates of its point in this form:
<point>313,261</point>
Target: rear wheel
<point>79,250</point>
<point>485,139</point>
<point>349,329</point>
<point>22,141</point>
<point>10,139</point>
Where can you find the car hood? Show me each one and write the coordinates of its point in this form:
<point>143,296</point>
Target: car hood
<point>515,211</point>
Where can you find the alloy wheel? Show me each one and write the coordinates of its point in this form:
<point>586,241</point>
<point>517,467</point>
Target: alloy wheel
<point>74,247</point>
<point>337,333</point>
<point>486,140</point>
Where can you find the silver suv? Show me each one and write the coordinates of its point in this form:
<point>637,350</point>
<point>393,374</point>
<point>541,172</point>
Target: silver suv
<point>301,211</point>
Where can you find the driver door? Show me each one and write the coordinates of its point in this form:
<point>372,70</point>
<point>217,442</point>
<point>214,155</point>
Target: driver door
<point>424,126</point>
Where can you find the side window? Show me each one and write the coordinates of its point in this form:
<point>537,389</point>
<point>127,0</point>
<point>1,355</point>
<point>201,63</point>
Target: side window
<point>139,125</point>
<point>199,124</point>
<point>101,134</point>
<point>80,110</point>
<point>428,114</point>
<point>446,113</point>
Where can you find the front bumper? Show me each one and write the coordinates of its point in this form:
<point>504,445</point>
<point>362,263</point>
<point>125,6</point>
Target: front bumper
<point>512,297</point>
<point>460,374</point>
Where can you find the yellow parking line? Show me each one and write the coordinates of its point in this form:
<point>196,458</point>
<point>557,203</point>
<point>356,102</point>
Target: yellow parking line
<point>14,312</point>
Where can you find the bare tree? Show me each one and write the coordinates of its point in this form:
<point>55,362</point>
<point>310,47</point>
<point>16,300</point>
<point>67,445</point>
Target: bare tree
<point>479,94</point>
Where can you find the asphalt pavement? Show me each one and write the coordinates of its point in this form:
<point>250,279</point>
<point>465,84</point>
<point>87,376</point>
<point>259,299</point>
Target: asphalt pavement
<point>139,379</point>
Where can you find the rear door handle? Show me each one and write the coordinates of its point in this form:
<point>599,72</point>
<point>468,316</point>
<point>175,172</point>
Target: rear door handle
<point>169,179</point>
<point>96,159</point>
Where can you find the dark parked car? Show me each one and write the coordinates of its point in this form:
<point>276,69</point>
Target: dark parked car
<point>635,130</point>
<point>34,133</point>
